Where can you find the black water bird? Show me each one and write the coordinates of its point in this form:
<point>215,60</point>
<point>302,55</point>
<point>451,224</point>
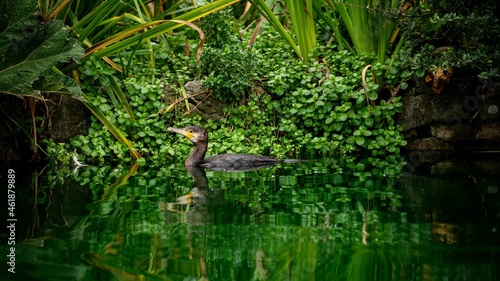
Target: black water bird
<point>199,137</point>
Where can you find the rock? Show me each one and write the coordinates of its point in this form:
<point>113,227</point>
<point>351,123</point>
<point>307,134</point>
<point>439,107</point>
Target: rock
<point>429,144</point>
<point>193,87</point>
<point>424,109</point>
<point>451,133</point>
<point>411,135</point>
<point>204,104</point>
<point>201,102</point>
<point>466,116</point>
<point>489,132</point>
<point>63,118</point>
<point>68,117</point>
<point>489,112</point>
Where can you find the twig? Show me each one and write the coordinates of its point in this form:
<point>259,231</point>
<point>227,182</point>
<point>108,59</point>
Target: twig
<point>198,104</point>
<point>363,77</point>
<point>394,92</point>
<point>365,233</point>
<point>168,108</point>
<point>32,106</point>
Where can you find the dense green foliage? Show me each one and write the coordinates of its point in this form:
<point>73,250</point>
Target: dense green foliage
<point>324,107</point>
<point>30,50</point>
<point>228,67</point>
<point>278,105</point>
<point>342,215</point>
<point>314,107</point>
<point>458,35</point>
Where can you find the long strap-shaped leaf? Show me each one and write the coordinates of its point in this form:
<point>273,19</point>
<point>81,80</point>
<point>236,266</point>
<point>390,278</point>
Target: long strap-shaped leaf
<point>121,96</point>
<point>327,13</point>
<point>111,127</point>
<point>269,15</point>
<point>129,37</point>
<point>92,20</point>
<point>301,15</point>
<point>368,28</point>
<point>163,27</point>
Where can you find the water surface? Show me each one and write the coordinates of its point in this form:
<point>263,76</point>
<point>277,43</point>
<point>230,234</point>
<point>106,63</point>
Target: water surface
<point>320,220</point>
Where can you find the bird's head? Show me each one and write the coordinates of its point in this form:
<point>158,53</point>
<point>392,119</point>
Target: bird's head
<point>193,133</point>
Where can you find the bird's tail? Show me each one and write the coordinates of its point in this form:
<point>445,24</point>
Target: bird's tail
<point>294,161</point>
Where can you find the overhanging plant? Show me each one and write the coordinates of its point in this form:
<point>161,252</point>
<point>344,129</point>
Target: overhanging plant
<point>300,13</point>
<point>110,27</point>
<point>371,25</point>
<point>30,52</point>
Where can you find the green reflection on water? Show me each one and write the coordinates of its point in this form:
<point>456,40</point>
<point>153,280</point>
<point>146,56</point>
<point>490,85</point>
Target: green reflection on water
<point>309,221</point>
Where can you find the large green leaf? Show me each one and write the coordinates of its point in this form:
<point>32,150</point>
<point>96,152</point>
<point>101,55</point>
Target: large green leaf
<point>29,49</point>
<point>53,81</point>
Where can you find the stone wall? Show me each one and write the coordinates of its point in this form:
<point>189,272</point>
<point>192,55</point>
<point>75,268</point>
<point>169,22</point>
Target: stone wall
<point>465,116</point>
<point>58,117</point>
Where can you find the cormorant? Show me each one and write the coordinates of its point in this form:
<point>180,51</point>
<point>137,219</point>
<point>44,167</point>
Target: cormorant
<point>199,137</point>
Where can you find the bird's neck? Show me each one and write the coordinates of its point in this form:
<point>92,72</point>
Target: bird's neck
<point>197,155</point>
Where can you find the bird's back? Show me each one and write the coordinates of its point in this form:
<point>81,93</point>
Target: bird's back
<point>238,161</point>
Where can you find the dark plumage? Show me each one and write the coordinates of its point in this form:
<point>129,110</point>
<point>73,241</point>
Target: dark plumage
<point>199,137</point>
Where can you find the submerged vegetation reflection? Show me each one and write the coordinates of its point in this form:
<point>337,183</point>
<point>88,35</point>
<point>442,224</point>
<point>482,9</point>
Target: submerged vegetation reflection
<point>303,221</point>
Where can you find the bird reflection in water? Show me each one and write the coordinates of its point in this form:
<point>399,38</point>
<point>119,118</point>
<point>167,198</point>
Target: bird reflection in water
<point>196,162</point>
<point>201,205</point>
<point>196,196</point>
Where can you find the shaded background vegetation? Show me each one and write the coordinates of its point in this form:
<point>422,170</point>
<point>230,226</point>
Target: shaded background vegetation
<point>124,222</point>
<point>294,74</point>
<point>283,95</point>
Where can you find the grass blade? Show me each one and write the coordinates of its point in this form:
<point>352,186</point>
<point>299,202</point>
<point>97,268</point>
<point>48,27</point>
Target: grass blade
<point>121,96</point>
<point>111,127</point>
<point>269,15</point>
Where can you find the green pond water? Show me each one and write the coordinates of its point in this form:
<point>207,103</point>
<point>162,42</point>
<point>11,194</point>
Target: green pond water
<point>318,220</point>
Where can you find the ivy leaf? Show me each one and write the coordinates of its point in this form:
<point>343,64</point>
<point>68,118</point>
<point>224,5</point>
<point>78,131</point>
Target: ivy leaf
<point>360,140</point>
<point>342,117</point>
<point>29,50</point>
<point>420,72</point>
<point>319,103</point>
<point>337,126</point>
<point>308,122</point>
<point>369,121</point>
<point>360,167</point>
